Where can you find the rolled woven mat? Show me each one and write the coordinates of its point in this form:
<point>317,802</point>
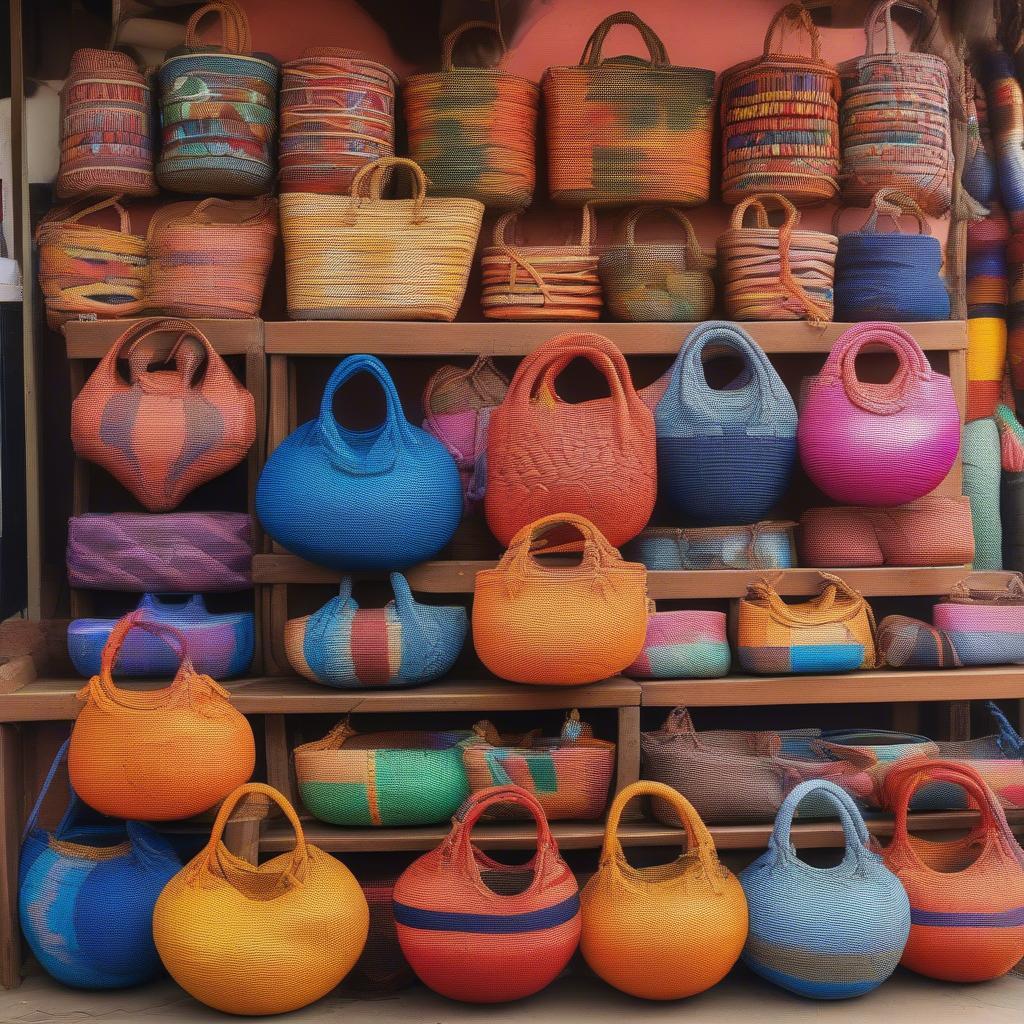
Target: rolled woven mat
<point>980,453</point>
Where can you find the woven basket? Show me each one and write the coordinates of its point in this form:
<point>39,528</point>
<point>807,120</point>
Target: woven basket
<point>474,130</point>
<point>895,117</point>
<point>211,259</point>
<point>106,135</point>
<point>765,545</point>
<point>368,258</point>
<point>772,273</point>
<point>540,282</point>
<point>87,271</point>
<point>780,120</point>
<point>657,281</point>
<point>218,107</point>
<point>626,129</point>
<point>337,116</point>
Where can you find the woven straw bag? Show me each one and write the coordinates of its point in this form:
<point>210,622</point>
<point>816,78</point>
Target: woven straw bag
<point>480,931</point>
<point>668,931</point>
<point>364,257</point>
<point>623,130</point>
<point>895,116</point>
<point>833,632</point>
<point>560,625</point>
<point>91,272</point>
<point>382,778</point>
<point>683,644</point>
<point>569,775</point>
<point>824,933</point>
<point>106,133</point>
<point>337,116</point>
<point>233,934</point>
<point>163,433</point>
<point>218,108</point>
<point>780,119</point>
<point>596,458</point>
<point>769,273</point>
<point>474,130</point>
<point>657,281</point>
<point>966,893</point>
<point>86,892</point>
<point>381,968</point>
<point>405,643</point>
<point>540,282</point>
<point>765,545</point>
<point>211,259</point>
<point>157,755</point>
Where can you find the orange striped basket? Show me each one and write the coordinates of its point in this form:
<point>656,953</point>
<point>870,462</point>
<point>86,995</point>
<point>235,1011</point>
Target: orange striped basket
<point>540,282</point>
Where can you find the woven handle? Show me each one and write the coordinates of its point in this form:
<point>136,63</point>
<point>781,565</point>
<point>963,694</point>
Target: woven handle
<point>234,26</point>
<point>1007,586</point>
<point>55,766</point>
<point>262,205</point>
<point>892,203</point>
<point>797,16</point>
<point>818,608</point>
<point>591,56</point>
<point>595,550</point>
<point>369,182</point>
<point>114,202</point>
<point>855,832</point>
<point>884,10</point>
<point>693,250</point>
<point>448,44</point>
<point>186,360</point>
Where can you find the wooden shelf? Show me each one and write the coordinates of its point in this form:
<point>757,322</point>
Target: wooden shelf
<point>91,339</point>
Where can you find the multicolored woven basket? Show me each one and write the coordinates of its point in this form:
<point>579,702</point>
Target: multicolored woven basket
<point>765,545</point>
<point>683,644</point>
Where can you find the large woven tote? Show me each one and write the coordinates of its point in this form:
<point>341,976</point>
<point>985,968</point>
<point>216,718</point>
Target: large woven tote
<point>668,931</point>
<point>368,258</point>
<point>780,119</point>
<point>596,458</point>
<point>163,432</point>
<point>474,130</point>
<point>622,130</point>
<point>257,940</point>
<point>824,933</point>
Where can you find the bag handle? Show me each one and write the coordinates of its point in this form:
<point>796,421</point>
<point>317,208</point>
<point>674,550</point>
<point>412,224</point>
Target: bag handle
<point>596,551</point>
<point>798,17</point>
<point>114,203</point>
<point>448,44</point>
<point>234,26</point>
<point>855,831</point>
<point>262,207</point>
<point>1010,742</point>
<point>694,252</point>
<point>1007,586</point>
<point>891,203</point>
<point>370,180</point>
<point>44,790</point>
<point>591,56</point>
<point>129,344</point>
<point>790,615</point>
<point>698,838</point>
<point>884,9</point>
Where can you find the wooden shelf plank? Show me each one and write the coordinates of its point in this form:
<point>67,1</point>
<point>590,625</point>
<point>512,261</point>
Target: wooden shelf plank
<point>336,337</point>
<point>91,339</point>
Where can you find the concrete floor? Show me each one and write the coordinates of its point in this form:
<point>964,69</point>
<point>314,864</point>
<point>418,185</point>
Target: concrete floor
<point>576,997</point>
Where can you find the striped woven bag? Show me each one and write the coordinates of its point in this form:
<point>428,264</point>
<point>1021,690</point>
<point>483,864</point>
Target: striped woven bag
<point>683,644</point>
<point>764,545</point>
<point>473,130</point>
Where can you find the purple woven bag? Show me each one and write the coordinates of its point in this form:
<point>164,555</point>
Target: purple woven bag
<point>180,552</point>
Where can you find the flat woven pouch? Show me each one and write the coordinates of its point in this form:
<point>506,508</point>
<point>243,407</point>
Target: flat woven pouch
<point>106,128</point>
<point>763,545</point>
<point>683,644</point>
<point>473,130</point>
<point>780,119</point>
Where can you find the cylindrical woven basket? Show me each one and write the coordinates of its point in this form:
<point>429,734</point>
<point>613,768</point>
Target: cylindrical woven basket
<point>657,281</point>
<point>91,271</point>
<point>772,273</point>
<point>368,258</point>
<point>211,259</point>
<point>624,129</point>
<point>780,120</point>
<point>474,130</point>
<point>218,108</point>
<point>106,134</point>
<point>337,116</point>
<point>540,282</point>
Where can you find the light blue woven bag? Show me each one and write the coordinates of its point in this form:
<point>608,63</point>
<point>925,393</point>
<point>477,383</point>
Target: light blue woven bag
<point>825,933</point>
<point>724,456</point>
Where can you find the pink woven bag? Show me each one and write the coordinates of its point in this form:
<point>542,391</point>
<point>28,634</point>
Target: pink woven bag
<point>878,444</point>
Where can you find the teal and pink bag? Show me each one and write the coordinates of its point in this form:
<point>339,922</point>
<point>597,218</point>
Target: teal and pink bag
<point>683,644</point>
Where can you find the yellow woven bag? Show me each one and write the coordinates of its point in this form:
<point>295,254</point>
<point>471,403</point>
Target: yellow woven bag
<point>260,940</point>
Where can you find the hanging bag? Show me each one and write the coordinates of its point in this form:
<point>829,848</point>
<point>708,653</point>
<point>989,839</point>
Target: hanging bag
<point>479,931</point>
<point>473,130</point>
<point>394,487</point>
<point>157,755</point>
<point>668,931</point>
<point>257,940</point>
<point>724,456</point>
<point>878,444</point>
<point>595,458</point>
<point>163,433</point>
<point>824,933</point>
<point>402,644</point>
<point>622,130</point>
<point>86,892</point>
<point>780,119</point>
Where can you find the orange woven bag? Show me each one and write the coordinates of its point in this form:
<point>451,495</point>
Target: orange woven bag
<point>157,755</point>
<point>596,459</point>
<point>560,625</point>
<point>163,432</point>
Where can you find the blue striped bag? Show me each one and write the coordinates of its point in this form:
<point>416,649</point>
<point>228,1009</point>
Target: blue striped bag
<point>824,933</point>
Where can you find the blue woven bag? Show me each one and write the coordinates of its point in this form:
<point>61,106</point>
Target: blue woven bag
<point>86,893</point>
<point>360,500</point>
<point>890,276</point>
<point>724,456</point>
<point>825,933</point>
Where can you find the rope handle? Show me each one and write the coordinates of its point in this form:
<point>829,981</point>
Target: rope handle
<point>114,202</point>
<point>998,587</point>
<point>855,831</point>
<point>884,8</point>
<point>263,205</point>
<point>591,55</point>
<point>796,15</point>
<point>530,540</point>
<point>476,805</point>
<point>679,722</point>
<point>370,180</point>
<point>891,203</point>
<point>790,615</point>
<point>629,223</point>
<point>129,345</point>
<point>55,766</point>
<point>334,740</point>
<point>448,44</point>
<point>234,26</point>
